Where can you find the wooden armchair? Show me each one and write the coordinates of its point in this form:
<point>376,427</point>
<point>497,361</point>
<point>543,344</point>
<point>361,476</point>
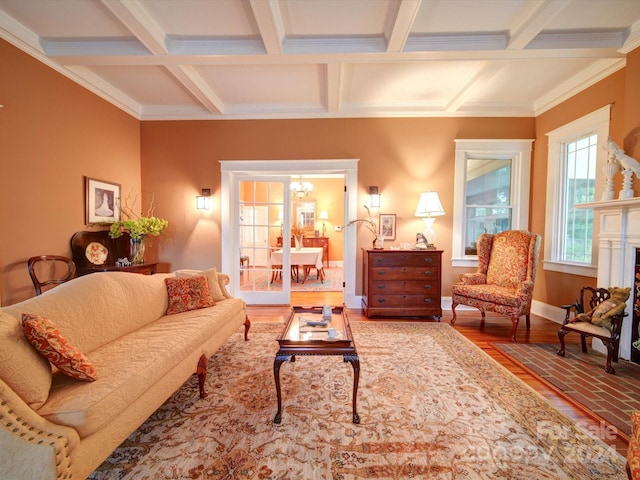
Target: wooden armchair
<point>46,270</point>
<point>589,299</point>
<point>505,277</point>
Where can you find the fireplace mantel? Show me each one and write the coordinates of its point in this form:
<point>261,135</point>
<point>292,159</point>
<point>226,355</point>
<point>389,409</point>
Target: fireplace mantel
<point>618,239</point>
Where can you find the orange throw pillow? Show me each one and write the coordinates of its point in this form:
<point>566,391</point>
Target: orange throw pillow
<point>47,340</point>
<point>186,294</point>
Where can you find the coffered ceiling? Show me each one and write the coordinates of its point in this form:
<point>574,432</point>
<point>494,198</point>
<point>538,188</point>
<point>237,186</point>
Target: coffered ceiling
<point>240,59</point>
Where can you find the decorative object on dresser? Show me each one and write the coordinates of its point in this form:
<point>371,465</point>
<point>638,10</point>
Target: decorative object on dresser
<point>429,206</point>
<point>503,282</point>
<point>110,253</point>
<point>404,283</point>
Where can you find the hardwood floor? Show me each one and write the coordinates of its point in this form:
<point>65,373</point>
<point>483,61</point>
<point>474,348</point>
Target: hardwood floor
<point>496,329</point>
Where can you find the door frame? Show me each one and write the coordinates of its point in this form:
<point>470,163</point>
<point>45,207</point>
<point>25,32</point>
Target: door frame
<point>232,168</point>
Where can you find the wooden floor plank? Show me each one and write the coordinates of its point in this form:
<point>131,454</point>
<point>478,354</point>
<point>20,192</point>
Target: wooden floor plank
<point>495,329</point>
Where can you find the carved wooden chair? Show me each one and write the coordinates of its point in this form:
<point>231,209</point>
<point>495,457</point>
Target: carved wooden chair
<point>589,299</point>
<point>505,277</point>
<point>46,270</point>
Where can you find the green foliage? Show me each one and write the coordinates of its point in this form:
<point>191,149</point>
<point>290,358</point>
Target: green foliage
<point>138,227</point>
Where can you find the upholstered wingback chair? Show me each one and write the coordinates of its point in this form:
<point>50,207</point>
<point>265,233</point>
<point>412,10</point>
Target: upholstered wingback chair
<point>505,277</point>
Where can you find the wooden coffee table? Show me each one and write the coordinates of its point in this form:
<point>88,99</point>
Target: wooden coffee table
<point>298,338</point>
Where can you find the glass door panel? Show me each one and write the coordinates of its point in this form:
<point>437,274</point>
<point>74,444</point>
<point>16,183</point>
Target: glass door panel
<point>261,206</point>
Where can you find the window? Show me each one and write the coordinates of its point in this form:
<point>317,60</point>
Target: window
<point>575,156</point>
<point>491,192</point>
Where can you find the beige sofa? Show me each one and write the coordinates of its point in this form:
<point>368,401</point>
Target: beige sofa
<point>54,427</point>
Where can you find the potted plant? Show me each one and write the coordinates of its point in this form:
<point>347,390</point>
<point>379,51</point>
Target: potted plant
<point>138,227</point>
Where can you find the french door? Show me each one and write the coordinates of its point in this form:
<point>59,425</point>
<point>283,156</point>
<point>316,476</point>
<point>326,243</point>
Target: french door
<point>262,209</point>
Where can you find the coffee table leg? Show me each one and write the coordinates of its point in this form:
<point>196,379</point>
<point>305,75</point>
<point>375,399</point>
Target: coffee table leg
<point>355,363</point>
<point>279,360</point>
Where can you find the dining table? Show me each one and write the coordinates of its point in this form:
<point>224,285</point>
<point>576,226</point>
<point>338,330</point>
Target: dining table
<point>306,257</point>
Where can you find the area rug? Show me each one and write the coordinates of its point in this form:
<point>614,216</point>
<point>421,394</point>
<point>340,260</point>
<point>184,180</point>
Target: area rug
<point>582,378</point>
<point>431,404</point>
<point>332,282</point>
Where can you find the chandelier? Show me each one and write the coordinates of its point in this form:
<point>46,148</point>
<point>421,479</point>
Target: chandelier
<point>301,189</point>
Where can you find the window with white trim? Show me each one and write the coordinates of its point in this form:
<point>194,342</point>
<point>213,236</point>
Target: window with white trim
<point>491,192</point>
<point>575,157</point>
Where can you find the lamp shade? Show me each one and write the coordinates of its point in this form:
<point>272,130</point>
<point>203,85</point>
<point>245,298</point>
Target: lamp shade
<point>429,205</point>
<point>323,215</point>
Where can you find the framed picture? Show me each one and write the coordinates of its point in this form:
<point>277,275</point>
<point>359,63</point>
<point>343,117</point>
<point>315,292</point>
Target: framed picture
<point>102,201</point>
<point>387,226</point>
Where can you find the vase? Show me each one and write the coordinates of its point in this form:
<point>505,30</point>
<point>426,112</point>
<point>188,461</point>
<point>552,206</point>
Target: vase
<point>378,242</point>
<point>298,241</point>
<point>136,250</point>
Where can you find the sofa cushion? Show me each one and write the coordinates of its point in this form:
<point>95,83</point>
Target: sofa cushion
<point>22,368</point>
<point>212,279</point>
<point>47,340</point>
<point>187,294</point>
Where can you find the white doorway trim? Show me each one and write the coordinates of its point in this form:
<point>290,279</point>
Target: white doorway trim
<point>231,168</point>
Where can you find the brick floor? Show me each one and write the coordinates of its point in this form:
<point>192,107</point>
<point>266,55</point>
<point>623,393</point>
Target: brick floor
<point>582,377</point>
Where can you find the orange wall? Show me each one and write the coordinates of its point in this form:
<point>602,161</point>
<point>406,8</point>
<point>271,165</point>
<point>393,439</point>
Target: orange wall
<point>552,287</point>
<point>403,157</point>
<point>53,133</point>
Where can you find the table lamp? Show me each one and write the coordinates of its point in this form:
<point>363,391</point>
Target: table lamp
<point>323,216</point>
<point>429,206</point>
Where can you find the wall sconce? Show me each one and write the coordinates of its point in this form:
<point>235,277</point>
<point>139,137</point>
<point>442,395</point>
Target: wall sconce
<point>323,216</point>
<point>374,197</point>
<point>203,202</point>
<point>429,206</point>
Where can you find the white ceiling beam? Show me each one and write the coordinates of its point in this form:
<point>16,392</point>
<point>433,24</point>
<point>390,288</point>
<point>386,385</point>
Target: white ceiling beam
<point>633,38</point>
<point>269,19</point>
<point>402,24</point>
<point>533,22</point>
<point>349,57</point>
<point>333,82</point>
<point>139,22</point>
<point>198,87</point>
<point>484,72</point>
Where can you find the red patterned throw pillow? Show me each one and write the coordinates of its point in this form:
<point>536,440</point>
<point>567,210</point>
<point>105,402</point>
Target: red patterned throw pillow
<point>47,340</point>
<point>186,294</point>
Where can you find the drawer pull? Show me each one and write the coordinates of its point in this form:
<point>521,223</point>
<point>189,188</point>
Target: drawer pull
<point>381,300</point>
<point>381,287</point>
<point>428,286</point>
<point>427,300</point>
<point>428,273</point>
<point>428,260</point>
<point>381,272</point>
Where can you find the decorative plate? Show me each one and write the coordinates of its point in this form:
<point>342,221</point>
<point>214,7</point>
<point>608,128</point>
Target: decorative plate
<point>96,253</point>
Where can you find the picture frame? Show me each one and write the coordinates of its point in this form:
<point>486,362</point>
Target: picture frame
<point>102,202</point>
<point>387,226</point>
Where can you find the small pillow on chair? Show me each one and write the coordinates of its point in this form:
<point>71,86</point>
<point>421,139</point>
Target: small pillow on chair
<point>185,294</point>
<point>47,340</point>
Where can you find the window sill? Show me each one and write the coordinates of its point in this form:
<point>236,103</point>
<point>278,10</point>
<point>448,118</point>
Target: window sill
<point>571,268</point>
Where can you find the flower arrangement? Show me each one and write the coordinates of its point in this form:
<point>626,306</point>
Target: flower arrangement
<point>298,231</point>
<point>137,226</point>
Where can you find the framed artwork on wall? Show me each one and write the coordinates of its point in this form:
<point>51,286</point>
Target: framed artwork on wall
<point>102,201</point>
<point>387,227</point>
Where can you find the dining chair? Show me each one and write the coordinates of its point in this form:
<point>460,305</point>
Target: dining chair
<point>46,270</point>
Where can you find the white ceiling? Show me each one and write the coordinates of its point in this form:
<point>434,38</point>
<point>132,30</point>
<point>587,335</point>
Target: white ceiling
<point>238,59</point>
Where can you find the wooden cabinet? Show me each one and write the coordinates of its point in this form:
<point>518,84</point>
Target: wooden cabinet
<point>313,242</point>
<point>116,248</point>
<point>402,283</point>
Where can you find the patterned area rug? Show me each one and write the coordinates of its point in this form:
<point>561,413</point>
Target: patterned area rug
<point>432,405</point>
<point>332,281</point>
<point>583,379</point>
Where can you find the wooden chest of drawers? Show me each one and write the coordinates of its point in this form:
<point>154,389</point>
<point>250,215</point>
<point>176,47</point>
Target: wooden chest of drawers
<point>402,283</point>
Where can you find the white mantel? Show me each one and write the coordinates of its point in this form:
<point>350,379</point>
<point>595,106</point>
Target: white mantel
<point>618,239</point>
